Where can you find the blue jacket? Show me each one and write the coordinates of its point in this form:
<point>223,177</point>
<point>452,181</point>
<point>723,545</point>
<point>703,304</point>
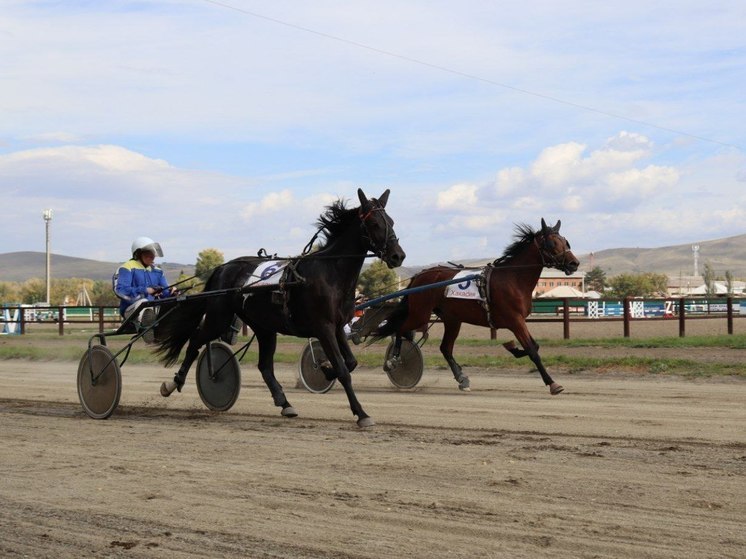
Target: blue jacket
<point>132,280</point>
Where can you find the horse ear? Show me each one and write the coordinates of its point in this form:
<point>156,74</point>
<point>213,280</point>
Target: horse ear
<point>384,198</point>
<point>556,227</point>
<point>364,203</point>
<point>543,226</point>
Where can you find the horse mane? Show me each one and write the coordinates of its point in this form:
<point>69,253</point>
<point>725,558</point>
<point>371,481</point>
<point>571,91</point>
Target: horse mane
<point>335,220</point>
<point>523,236</point>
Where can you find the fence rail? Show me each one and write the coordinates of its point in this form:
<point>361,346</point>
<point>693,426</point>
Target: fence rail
<point>14,319</point>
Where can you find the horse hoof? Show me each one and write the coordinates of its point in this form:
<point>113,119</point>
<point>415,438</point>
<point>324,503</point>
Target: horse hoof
<point>364,422</point>
<point>555,389</point>
<point>289,412</point>
<point>464,388</point>
<point>167,388</point>
<point>464,385</point>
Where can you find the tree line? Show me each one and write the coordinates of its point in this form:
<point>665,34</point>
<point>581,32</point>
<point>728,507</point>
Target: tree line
<point>648,284</point>
<point>80,291</point>
<point>74,291</point>
<point>377,279</point>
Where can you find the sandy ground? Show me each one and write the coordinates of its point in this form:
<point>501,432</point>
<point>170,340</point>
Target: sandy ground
<point>618,466</point>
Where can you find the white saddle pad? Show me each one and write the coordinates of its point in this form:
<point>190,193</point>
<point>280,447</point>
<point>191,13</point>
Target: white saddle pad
<point>267,273</point>
<point>465,290</point>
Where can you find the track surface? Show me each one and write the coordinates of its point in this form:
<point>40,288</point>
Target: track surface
<point>617,466</point>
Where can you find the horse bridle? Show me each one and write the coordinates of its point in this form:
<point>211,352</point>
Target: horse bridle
<point>381,251</point>
<point>550,259</point>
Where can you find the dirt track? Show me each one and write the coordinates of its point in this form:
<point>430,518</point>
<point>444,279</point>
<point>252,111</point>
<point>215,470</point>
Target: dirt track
<point>617,466</point>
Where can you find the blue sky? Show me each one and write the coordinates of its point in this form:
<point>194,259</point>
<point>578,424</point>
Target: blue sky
<point>230,125</point>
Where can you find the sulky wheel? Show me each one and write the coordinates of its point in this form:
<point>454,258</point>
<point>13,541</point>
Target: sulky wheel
<point>404,371</point>
<point>218,376</point>
<point>99,382</point>
<point>309,369</point>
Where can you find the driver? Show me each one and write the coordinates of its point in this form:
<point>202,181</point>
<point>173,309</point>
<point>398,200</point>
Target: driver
<point>138,280</point>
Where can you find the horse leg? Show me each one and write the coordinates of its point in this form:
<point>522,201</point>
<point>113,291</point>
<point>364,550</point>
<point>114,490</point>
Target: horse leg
<point>192,351</point>
<point>344,347</point>
<point>451,329</point>
<point>516,352</point>
<point>267,346</point>
<point>531,348</point>
<point>328,340</point>
<point>214,323</point>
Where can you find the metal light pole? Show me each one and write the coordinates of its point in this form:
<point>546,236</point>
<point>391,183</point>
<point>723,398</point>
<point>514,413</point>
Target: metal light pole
<point>47,219</point>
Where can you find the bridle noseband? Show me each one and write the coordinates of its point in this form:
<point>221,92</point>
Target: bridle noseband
<point>550,259</point>
<point>380,250</point>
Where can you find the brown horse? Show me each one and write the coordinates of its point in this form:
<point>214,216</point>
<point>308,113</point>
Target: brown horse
<point>506,286</point>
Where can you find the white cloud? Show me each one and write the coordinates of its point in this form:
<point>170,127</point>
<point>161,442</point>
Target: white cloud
<point>558,165</point>
<point>577,178</point>
<point>572,203</point>
<point>629,141</point>
<point>457,197</point>
<point>509,180</point>
<point>184,132</point>
<point>104,158</point>
<point>479,222</point>
<point>526,203</point>
<point>271,203</point>
<point>638,184</point>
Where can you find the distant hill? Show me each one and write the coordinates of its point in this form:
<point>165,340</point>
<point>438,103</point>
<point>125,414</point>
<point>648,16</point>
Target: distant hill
<point>723,255</point>
<point>20,266</point>
<point>727,254</point>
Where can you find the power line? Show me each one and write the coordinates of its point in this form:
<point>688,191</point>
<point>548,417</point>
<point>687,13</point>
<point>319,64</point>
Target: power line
<point>470,76</point>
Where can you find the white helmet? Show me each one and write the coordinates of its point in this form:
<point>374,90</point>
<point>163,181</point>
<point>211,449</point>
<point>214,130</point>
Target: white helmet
<point>146,243</point>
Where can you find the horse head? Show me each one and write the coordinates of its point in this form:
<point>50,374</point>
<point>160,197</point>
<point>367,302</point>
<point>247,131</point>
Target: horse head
<point>555,249</point>
<point>378,229</point>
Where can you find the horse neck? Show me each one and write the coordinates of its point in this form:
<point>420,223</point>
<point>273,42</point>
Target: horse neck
<point>526,267</point>
<point>346,254</point>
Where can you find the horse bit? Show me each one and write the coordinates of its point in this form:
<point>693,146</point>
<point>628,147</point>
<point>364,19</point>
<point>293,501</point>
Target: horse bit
<point>382,250</point>
<point>551,260</point>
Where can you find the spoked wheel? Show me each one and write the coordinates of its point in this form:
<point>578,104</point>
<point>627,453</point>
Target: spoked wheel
<point>99,382</point>
<point>404,371</point>
<point>218,376</point>
<point>309,369</point>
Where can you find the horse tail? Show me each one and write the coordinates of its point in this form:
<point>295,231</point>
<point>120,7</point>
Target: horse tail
<point>176,326</point>
<point>392,321</point>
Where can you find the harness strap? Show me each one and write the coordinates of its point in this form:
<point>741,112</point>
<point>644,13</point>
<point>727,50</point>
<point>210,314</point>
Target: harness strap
<point>484,288</point>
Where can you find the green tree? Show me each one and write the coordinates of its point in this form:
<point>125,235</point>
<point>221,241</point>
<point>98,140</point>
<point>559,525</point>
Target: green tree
<point>102,293</point>
<point>596,279</point>
<point>377,279</point>
<point>647,284</point>
<point>33,290</point>
<point>66,290</point>
<point>207,260</point>
<point>709,278</point>
<point>10,292</point>
<point>185,283</point>
<point>729,281</point>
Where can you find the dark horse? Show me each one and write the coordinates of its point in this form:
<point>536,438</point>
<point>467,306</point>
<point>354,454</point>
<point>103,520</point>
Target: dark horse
<point>317,303</point>
<point>506,286</point>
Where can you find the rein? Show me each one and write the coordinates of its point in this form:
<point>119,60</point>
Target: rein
<point>548,260</point>
<point>375,251</point>
<point>382,250</point>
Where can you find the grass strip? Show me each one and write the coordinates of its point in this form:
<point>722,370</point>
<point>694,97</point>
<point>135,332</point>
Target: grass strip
<point>51,347</point>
